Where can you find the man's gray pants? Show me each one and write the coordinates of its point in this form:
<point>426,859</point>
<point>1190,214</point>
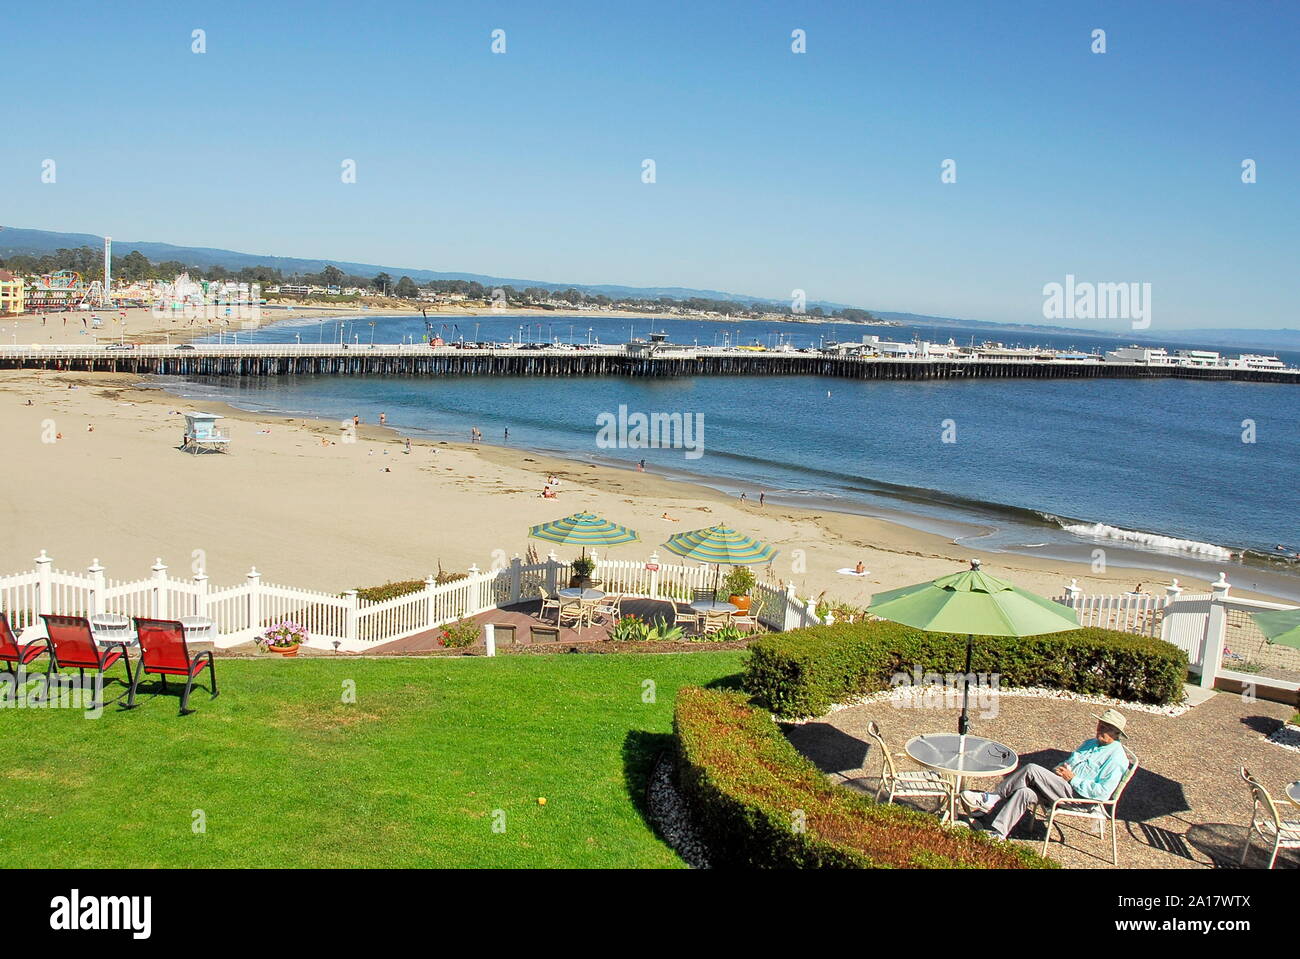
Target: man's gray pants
<point>1023,788</point>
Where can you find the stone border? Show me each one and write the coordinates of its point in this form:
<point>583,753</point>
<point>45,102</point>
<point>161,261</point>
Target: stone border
<point>903,693</point>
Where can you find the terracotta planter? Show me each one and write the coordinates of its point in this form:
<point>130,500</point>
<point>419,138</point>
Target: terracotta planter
<point>285,650</point>
<point>740,602</point>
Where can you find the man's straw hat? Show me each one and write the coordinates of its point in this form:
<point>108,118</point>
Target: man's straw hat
<point>1113,717</point>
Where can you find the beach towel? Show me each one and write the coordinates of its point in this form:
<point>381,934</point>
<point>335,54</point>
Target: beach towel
<point>850,571</point>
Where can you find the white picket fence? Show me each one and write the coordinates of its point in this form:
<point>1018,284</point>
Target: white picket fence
<point>244,611</point>
<point>1200,624</point>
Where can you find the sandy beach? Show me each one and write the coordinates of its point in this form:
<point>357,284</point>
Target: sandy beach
<point>311,509</point>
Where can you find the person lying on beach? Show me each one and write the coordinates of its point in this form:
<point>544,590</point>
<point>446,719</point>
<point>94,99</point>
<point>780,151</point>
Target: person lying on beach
<point>673,519</point>
<point>548,493</point>
<point>1091,772</point>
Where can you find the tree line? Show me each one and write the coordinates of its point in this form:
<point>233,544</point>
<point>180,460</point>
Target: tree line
<point>135,266</point>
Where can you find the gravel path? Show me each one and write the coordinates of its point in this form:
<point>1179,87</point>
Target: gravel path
<point>1186,807</point>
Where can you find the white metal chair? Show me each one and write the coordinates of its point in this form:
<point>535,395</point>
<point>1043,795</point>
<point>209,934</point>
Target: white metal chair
<point>714,621</point>
<point>1100,811</point>
<point>577,611</point>
<point>1283,833</point>
<point>611,608</point>
<point>686,617</point>
<point>909,783</point>
<point>549,602</point>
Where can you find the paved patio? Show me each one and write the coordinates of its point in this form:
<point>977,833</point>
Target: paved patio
<point>1185,808</point>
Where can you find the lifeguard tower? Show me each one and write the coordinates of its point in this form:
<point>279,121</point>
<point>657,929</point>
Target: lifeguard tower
<point>202,434</point>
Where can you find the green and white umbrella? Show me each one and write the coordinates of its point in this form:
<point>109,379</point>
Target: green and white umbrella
<point>720,544</point>
<point>973,602</point>
<point>1280,626</point>
<point>584,529</point>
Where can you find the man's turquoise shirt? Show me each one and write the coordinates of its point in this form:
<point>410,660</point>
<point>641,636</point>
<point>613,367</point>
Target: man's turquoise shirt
<point>1097,769</point>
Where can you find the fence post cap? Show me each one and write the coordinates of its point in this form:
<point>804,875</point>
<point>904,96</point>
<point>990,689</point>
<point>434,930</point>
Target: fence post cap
<point>1221,584</point>
<point>158,565</point>
<point>43,558</point>
<point>94,566</point>
<point>252,572</point>
<point>473,569</point>
<point>430,580</point>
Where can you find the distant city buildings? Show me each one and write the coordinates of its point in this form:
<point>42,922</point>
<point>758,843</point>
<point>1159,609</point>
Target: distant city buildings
<point>12,293</point>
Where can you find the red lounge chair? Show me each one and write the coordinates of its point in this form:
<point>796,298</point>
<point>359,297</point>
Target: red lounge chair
<point>16,654</point>
<point>73,644</point>
<point>164,652</point>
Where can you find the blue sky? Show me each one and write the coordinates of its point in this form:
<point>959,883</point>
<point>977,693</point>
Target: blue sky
<point>775,171</point>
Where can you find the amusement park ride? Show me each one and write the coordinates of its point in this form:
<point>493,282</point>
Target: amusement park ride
<point>66,289</point>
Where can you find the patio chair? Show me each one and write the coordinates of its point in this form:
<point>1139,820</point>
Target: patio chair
<point>701,595</point>
<point>17,655</point>
<point>1282,833</point>
<point>715,621</point>
<point>544,634</point>
<point>503,634</point>
<point>686,617</point>
<point>748,621</point>
<point>549,602</point>
<point>610,608</point>
<point>577,611</point>
<point>1100,811</point>
<point>164,652</point>
<point>73,644</point>
<point>909,783</point>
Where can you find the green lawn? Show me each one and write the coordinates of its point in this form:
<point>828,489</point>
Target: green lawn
<point>286,774</point>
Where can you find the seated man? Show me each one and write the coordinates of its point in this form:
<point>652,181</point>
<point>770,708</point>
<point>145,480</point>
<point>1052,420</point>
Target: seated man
<point>1091,772</point>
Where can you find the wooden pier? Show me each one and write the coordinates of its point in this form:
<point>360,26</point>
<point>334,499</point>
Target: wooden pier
<point>420,360</point>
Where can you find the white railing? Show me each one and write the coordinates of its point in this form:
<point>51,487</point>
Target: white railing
<point>1200,624</point>
<point>242,612</point>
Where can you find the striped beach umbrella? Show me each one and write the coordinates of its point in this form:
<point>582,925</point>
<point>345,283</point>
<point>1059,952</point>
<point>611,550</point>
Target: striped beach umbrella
<point>584,529</point>
<point>718,545</point>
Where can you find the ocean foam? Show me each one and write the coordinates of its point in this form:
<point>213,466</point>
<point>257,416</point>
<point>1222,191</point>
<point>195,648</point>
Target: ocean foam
<point>1149,540</point>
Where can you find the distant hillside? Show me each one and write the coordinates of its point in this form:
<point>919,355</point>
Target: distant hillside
<point>14,241</point>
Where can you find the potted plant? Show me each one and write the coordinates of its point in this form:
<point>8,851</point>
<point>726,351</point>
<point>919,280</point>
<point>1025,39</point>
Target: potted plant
<point>583,567</point>
<point>284,638</point>
<point>737,584</point>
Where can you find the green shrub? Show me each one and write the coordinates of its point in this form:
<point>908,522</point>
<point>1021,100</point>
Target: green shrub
<point>761,804</point>
<point>804,672</point>
<point>377,594</point>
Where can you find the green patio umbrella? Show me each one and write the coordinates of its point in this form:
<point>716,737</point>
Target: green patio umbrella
<point>584,529</point>
<point>973,602</point>
<point>720,544</point>
<point>1280,626</point>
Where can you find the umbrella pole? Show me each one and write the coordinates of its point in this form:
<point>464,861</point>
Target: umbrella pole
<point>717,574</point>
<point>963,724</point>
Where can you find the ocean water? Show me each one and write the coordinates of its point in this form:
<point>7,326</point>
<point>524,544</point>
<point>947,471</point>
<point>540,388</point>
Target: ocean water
<point>1168,473</point>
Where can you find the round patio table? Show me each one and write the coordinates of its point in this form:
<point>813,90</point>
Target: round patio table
<point>586,595</point>
<point>958,756</point>
<point>1293,792</point>
<point>705,606</point>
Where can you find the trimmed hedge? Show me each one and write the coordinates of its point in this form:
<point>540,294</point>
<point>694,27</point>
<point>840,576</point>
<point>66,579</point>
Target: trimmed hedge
<point>750,791</point>
<point>804,672</point>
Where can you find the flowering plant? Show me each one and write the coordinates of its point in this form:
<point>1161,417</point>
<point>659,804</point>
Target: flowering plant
<point>631,628</point>
<point>285,634</point>
<point>459,634</point>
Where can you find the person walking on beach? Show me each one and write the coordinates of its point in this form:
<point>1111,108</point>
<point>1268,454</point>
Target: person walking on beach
<point>641,466</point>
<point>408,446</point>
<point>383,419</point>
<point>761,496</point>
<point>507,434</point>
<point>356,420</point>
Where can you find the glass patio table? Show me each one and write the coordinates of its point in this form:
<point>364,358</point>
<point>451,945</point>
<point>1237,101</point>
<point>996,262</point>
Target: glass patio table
<point>959,756</point>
